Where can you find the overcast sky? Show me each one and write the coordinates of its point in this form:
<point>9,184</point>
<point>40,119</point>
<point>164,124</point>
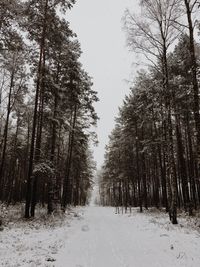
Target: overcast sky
<point>98,24</point>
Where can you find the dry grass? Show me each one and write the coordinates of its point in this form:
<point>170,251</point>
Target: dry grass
<point>13,216</point>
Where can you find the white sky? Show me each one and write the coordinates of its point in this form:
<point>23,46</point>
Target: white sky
<point>105,57</point>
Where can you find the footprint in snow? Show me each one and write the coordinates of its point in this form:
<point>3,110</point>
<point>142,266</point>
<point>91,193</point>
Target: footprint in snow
<point>165,235</point>
<point>85,228</point>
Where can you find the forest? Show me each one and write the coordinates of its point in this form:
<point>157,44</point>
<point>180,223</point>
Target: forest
<point>47,111</point>
<point>65,199</point>
<point>46,108</point>
<point>153,155</point>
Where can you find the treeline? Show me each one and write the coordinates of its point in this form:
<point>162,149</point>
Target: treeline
<point>152,159</point>
<point>46,107</point>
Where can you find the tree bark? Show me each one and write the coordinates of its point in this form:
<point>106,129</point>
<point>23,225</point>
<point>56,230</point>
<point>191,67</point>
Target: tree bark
<point>6,128</point>
<point>35,118</point>
<point>194,78</point>
<point>66,185</point>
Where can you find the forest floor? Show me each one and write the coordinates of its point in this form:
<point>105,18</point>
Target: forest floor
<point>97,237</point>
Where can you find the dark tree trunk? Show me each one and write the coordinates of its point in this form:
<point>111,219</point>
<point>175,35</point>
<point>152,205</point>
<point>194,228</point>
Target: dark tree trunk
<point>138,169</point>
<point>172,179</point>
<point>35,118</point>
<point>194,78</point>
<point>66,185</point>
<point>39,136</point>
<point>182,164</point>
<point>5,136</point>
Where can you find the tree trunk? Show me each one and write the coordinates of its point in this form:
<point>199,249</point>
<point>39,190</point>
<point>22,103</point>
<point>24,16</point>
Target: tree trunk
<point>66,185</point>
<point>35,118</point>
<point>39,136</point>
<point>172,179</point>
<point>6,130</point>
<point>138,169</point>
<point>194,78</point>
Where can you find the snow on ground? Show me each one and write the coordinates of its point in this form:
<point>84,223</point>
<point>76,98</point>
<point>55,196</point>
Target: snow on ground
<point>97,237</point>
<point>35,242</point>
<point>105,239</point>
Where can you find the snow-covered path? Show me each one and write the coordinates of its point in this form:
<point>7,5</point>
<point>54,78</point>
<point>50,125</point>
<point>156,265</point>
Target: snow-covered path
<point>103,239</point>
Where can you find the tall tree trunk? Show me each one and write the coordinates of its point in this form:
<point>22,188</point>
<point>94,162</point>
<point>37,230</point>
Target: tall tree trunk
<point>39,135</point>
<point>66,185</point>
<point>172,179</point>
<point>12,172</point>
<point>5,136</point>
<point>1,90</point>
<point>182,164</point>
<point>35,117</point>
<point>138,169</point>
<point>53,195</point>
<point>194,78</point>
<point>55,118</point>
